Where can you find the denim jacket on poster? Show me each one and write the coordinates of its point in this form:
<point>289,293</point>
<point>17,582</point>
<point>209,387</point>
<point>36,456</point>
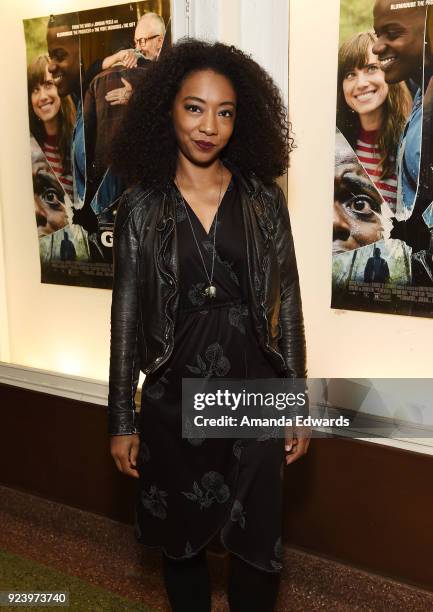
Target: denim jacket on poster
<point>408,161</point>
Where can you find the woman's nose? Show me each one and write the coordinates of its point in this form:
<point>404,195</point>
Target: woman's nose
<point>208,124</point>
<point>361,80</point>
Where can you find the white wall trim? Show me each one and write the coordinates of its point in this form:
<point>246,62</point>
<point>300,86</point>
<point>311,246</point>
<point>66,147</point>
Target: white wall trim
<point>43,381</point>
<point>422,443</point>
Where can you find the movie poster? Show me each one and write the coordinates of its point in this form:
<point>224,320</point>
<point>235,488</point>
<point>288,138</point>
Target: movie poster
<point>82,68</point>
<point>383,179</point>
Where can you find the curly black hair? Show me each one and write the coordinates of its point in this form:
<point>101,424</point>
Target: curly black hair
<point>144,150</point>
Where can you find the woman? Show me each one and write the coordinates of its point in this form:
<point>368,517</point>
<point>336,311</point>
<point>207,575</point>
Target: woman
<point>52,120</point>
<point>370,113</point>
<point>205,285</point>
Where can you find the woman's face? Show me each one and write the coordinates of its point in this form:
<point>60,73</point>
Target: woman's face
<point>45,99</point>
<point>204,113</point>
<point>365,89</point>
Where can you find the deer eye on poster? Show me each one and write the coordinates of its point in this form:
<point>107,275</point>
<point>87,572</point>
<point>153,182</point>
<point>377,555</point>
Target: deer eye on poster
<point>82,69</point>
<point>383,180</point>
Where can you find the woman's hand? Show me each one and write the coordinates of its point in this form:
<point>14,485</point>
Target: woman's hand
<point>124,450</point>
<point>297,442</point>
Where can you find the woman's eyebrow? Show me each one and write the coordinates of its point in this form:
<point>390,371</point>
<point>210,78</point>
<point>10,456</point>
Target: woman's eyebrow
<point>197,99</point>
<point>359,185</point>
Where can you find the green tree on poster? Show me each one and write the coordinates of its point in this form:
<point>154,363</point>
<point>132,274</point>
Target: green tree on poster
<point>355,16</point>
<point>35,31</point>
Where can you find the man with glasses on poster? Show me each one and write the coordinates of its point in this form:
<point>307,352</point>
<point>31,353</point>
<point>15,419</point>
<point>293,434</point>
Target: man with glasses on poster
<point>149,35</point>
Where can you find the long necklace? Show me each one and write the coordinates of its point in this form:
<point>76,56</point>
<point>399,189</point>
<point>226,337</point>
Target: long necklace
<point>210,290</point>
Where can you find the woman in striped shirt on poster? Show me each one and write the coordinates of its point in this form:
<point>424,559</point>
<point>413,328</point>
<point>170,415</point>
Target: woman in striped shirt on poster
<point>52,121</point>
<point>370,113</point>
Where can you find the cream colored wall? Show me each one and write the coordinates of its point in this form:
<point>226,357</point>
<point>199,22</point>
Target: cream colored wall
<point>66,329</point>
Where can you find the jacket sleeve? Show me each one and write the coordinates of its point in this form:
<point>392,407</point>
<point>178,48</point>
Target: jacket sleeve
<point>292,340</point>
<point>124,356</point>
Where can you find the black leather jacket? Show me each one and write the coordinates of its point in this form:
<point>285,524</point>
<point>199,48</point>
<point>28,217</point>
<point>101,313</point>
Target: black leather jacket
<point>146,292</point>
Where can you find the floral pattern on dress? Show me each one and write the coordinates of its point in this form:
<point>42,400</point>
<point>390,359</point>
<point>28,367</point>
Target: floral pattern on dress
<point>213,490</point>
<point>157,390</point>
<point>154,502</point>
<point>237,514</point>
<point>196,294</point>
<point>198,438</point>
<point>237,315</point>
<point>217,364</point>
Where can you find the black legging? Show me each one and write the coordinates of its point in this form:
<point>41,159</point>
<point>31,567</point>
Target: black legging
<point>188,587</point>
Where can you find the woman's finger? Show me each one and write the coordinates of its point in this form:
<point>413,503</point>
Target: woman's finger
<point>299,449</point>
<point>133,454</point>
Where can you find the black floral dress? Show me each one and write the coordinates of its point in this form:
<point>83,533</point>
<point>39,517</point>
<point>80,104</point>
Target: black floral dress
<point>192,488</point>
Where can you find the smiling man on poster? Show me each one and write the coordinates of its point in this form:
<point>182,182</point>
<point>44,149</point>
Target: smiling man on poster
<point>400,47</point>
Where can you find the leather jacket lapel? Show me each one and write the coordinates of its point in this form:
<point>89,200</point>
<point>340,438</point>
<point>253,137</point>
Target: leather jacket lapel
<point>167,259</point>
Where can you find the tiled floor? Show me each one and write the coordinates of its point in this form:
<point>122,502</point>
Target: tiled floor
<point>105,553</point>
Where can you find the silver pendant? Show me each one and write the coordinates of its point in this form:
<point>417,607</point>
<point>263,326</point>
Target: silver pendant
<point>210,291</point>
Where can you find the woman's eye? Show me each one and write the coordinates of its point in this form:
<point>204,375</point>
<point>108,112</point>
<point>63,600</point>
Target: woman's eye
<point>349,76</point>
<point>193,108</point>
<point>226,113</point>
<point>50,197</point>
<point>363,206</point>
<point>372,68</point>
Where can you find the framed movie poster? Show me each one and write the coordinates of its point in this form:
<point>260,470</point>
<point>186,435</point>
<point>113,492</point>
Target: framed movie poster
<point>82,68</point>
<point>383,179</point>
